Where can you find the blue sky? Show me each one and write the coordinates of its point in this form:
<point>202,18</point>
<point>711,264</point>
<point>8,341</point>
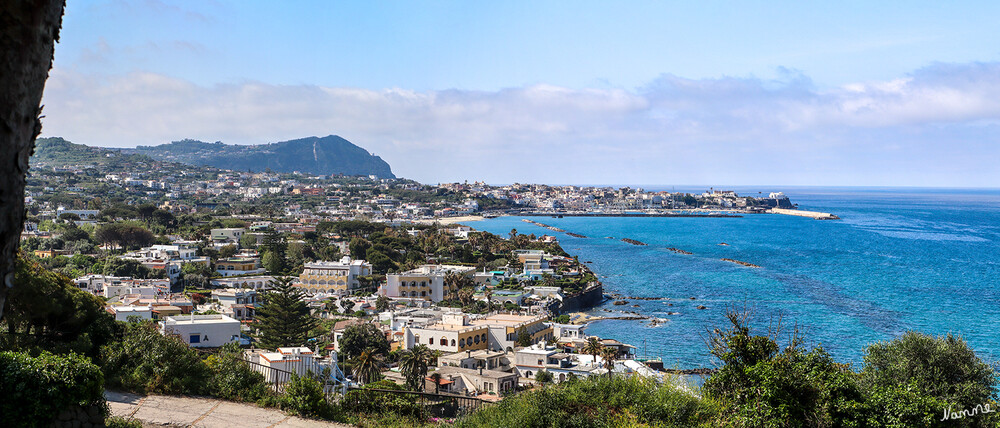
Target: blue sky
<point>852,93</point>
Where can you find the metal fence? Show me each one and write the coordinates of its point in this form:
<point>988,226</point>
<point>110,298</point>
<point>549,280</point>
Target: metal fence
<point>278,379</point>
<point>436,405</point>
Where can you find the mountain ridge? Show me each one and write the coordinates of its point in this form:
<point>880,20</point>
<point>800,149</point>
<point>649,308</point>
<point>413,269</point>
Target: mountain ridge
<point>330,155</point>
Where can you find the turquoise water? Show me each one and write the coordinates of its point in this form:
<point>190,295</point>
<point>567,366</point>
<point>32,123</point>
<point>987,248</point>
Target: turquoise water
<point>900,259</point>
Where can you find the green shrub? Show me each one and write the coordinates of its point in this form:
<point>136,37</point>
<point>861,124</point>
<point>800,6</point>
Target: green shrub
<point>304,397</point>
<point>120,422</point>
<point>597,401</point>
<point>366,402</point>
<point>911,380</point>
<point>146,361</point>
<point>232,378</point>
<point>33,390</point>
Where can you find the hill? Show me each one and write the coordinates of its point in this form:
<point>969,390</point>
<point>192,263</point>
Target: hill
<point>56,151</point>
<point>328,155</point>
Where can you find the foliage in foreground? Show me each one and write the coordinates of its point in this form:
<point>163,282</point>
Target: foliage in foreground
<point>36,389</point>
<point>146,361</point>
<point>46,312</point>
<point>304,397</point>
<point>364,401</point>
<point>909,381</point>
<point>232,378</point>
<point>597,402</point>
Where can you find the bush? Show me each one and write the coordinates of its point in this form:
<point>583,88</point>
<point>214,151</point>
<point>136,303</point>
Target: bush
<point>911,380</point>
<point>36,389</point>
<point>146,361</point>
<point>232,377</point>
<point>596,402</point>
<point>120,422</point>
<point>304,397</point>
<point>366,402</point>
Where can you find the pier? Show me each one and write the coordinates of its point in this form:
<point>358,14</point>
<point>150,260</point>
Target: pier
<point>811,214</point>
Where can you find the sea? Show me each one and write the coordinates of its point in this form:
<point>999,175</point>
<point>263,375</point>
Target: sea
<point>899,259</point>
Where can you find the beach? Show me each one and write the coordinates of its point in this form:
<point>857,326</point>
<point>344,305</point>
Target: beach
<point>447,221</point>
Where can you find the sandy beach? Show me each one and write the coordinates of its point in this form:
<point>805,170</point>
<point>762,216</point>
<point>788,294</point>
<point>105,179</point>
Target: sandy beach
<point>445,221</point>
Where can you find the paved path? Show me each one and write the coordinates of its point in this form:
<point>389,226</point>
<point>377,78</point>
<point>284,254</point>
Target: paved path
<point>172,411</point>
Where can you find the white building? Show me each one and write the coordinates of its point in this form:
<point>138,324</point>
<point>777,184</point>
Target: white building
<point>425,282</point>
<point>123,312</point>
<point>202,331</point>
<point>229,234</point>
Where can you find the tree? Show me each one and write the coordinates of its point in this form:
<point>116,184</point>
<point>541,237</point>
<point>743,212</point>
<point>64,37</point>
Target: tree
<point>359,247</point>
<point>413,364</point>
<point>912,378</point>
<point>28,33</point>
<point>283,318</point>
<point>347,304</point>
<point>123,235</point>
<point>523,338</point>
<point>592,347</point>
<point>760,382</point>
<point>382,304</point>
<point>69,217</point>
<point>273,262</point>
<point>227,251</point>
<point>367,366</point>
<point>358,338</point>
<point>248,240</point>
<point>609,354</point>
<point>125,267</point>
<point>48,312</point>
<point>544,376</point>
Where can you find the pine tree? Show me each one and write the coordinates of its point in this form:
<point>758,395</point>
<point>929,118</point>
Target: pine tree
<point>283,318</point>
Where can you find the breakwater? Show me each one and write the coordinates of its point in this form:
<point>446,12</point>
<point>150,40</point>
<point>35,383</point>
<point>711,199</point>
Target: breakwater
<point>799,213</point>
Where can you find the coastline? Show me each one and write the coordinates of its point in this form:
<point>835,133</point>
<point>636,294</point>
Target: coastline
<point>448,221</point>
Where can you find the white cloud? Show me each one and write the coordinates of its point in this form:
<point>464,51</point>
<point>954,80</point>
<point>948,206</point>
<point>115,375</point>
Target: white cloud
<point>674,130</point>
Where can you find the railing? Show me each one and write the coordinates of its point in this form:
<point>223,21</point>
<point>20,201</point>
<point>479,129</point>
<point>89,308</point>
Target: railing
<point>437,405</point>
<point>278,379</point>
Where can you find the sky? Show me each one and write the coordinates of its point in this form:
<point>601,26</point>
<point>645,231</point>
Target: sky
<point>651,93</point>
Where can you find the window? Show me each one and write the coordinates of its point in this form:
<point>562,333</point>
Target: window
<point>452,342</point>
<point>430,340</point>
<point>444,342</point>
<point>461,343</point>
<point>195,338</point>
<point>477,339</point>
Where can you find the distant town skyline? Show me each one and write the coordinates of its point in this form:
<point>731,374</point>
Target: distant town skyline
<point>846,94</point>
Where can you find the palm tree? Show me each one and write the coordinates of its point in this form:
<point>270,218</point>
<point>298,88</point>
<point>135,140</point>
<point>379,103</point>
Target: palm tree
<point>413,365</point>
<point>609,354</point>
<point>465,296</point>
<point>592,347</point>
<point>368,366</point>
<point>436,377</point>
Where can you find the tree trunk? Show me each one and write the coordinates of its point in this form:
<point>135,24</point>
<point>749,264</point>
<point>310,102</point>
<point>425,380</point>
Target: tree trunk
<point>28,32</point>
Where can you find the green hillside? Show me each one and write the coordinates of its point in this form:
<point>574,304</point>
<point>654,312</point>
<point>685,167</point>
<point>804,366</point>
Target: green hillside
<point>328,155</point>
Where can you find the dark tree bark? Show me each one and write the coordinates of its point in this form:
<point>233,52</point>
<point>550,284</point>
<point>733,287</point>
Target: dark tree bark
<point>28,32</point>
